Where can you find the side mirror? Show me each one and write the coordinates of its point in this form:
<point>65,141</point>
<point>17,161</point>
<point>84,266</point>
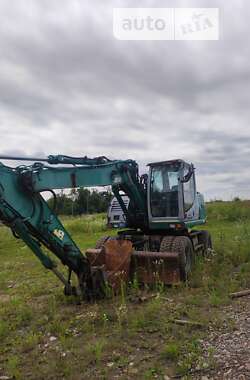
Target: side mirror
<point>187,177</point>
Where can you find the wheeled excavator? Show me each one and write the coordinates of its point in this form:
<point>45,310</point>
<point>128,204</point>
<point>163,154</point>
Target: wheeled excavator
<point>159,244</point>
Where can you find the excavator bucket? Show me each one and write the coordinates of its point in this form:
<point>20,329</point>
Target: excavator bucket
<point>155,267</point>
<point>121,263</point>
<point>114,258</point>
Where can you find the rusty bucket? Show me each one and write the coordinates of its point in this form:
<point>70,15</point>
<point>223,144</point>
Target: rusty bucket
<point>120,263</point>
<point>155,267</point>
<point>114,258</point>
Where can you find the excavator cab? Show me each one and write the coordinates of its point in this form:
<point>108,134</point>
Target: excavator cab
<point>172,198</point>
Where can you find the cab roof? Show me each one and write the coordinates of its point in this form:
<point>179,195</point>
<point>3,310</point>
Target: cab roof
<point>169,162</point>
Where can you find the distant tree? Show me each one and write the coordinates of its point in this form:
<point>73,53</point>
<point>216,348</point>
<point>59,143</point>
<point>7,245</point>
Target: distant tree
<point>81,201</point>
<point>62,205</point>
<point>236,199</point>
<point>98,201</point>
<point>106,197</point>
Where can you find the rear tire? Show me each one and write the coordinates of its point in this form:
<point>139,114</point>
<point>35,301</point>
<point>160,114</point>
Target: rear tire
<point>205,239</point>
<point>183,246</point>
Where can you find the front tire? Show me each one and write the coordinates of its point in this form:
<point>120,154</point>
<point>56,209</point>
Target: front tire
<point>184,247</point>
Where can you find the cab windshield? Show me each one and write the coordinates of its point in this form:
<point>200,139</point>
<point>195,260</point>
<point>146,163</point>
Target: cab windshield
<point>164,191</point>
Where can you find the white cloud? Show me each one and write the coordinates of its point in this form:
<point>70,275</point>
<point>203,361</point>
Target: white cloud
<point>68,86</point>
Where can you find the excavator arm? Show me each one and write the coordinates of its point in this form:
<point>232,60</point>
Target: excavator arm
<point>24,210</point>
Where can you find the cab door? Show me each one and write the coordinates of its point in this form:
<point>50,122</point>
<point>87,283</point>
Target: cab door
<point>164,193</point>
<point>190,200</point>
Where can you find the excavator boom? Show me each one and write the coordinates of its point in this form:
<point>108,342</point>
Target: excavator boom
<point>24,210</point>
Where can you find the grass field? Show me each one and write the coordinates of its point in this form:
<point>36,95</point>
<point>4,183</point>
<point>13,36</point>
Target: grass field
<point>44,335</point>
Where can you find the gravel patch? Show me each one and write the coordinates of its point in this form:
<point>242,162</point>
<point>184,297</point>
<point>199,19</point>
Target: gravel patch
<point>230,349</point>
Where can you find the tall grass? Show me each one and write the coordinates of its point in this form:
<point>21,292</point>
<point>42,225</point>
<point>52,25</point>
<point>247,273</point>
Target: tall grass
<point>228,211</point>
<point>229,225</point>
<point>87,223</point>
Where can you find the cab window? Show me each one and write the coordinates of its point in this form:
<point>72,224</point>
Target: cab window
<point>164,191</point>
<point>188,191</point>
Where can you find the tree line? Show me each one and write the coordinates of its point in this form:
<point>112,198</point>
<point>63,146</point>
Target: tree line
<point>80,201</point>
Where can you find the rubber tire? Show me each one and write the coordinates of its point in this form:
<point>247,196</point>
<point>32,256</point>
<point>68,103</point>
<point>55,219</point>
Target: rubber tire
<point>167,243</point>
<point>100,242</point>
<point>206,240</point>
<point>98,285</point>
<point>183,246</point>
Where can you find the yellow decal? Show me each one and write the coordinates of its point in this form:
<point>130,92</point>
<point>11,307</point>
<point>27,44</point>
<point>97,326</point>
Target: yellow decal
<point>59,234</point>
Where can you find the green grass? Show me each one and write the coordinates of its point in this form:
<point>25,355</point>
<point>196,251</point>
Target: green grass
<point>229,211</point>
<point>43,334</point>
<point>171,351</point>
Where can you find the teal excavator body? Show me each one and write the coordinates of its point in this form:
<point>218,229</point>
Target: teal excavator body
<point>162,203</point>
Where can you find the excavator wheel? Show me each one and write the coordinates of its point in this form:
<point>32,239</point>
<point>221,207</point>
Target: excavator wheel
<point>183,246</point>
<point>98,284</point>
<point>205,239</point>
<point>167,243</point>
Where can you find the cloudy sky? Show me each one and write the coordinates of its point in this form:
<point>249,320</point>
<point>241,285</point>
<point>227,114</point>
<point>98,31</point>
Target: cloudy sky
<point>68,86</point>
